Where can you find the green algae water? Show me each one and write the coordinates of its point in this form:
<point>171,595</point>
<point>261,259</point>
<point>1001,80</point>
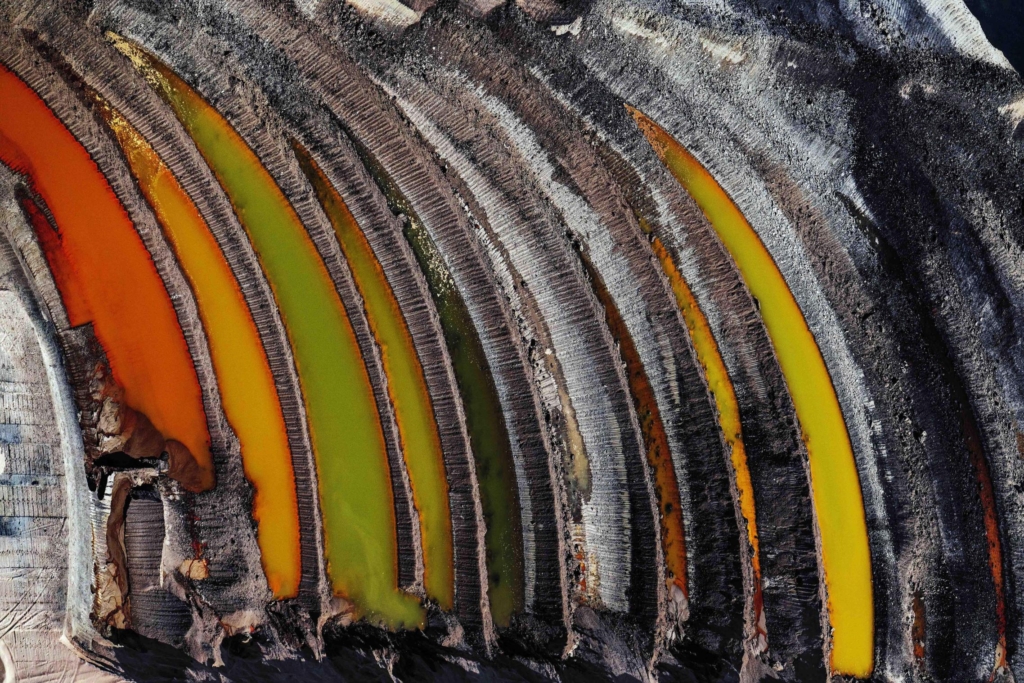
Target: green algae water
<point>355,486</point>
<point>407,387</point>
<point>485,422</point>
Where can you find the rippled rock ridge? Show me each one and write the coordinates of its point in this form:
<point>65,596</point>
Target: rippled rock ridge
<point>513,341</point>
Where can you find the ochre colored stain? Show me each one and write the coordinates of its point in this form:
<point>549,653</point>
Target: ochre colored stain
<point>104,273</point>
<point>835,485</point>
<point>407,387</point>
<point>348,442</point>
<point>918,629</point>
<point>972,437</point>
<point>246,383</point>
<point>485,421</point>
<point>60,268</point>
<point>717,376</point>
<point>968,425</point>
<point>659,457</point>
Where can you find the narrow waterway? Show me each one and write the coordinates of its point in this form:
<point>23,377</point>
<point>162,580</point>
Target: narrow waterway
<point>348,442</point>
<point>246,383</point>
<point>835,484</point>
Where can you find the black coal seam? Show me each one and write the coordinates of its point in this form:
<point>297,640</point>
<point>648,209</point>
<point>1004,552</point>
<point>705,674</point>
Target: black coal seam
<point>946,465</point>
<point>885,173</point>
<point>972,171</point>
<point>843,288</point>
<point>962,163</point>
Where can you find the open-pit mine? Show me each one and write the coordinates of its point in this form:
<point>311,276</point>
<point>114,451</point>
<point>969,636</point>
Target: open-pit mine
<point>511,340</point>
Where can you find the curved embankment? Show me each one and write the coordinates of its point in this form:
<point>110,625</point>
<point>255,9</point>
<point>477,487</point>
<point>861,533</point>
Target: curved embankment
<point>108,280</point>
<point>407,388</point>
<point>529,235</point>
<point>659,455</point>
<point>243,374</point>
<point>721,387</point>
<point>492,379</point>
<point>344,425</point>
<point>41,475</point>
<point>485,423</point>
<point>839,507</point>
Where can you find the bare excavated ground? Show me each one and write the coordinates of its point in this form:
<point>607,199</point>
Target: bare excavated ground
<point>877,149</point>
